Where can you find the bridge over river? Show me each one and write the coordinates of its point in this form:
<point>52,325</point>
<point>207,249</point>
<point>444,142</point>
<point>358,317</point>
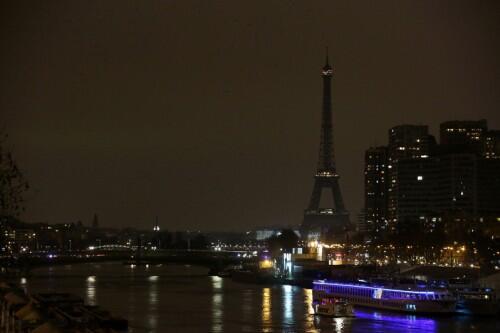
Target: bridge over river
<point>215,260</point>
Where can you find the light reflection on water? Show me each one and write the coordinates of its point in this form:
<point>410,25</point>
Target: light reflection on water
<point>309,312</point>
<point>184,299</point>
<point>287,303</point>
<point>399,321</point>
<point>339,324</point>
<point>247,309</point>
<point>266,307</point>
<point>153,303</point>
<point>217,303</point>
<point>91,290</point>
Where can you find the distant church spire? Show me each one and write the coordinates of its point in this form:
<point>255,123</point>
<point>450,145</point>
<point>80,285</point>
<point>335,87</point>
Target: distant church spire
<point>95,222</point>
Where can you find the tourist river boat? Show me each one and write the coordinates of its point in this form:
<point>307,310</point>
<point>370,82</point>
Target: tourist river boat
<point>405,300</point>
<point>473,299</point>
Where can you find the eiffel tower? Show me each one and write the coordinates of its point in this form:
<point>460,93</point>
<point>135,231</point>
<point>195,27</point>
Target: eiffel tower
<point>331,221</point>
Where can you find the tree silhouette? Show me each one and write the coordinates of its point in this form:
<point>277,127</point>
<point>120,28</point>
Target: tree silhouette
<point>286,240</point>
<point>12,183</point>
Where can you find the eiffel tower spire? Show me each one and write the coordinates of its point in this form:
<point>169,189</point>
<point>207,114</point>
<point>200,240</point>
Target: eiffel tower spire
<point>326,161</point>
<point>327,63</point>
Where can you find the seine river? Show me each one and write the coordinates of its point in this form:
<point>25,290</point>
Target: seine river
<point>168,298</point>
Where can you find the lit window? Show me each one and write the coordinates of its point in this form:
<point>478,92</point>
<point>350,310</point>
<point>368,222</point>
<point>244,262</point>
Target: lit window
<point>420,178</point>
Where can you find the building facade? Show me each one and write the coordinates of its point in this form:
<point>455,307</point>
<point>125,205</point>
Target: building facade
<point>406,142</point>
<point>376,189</point>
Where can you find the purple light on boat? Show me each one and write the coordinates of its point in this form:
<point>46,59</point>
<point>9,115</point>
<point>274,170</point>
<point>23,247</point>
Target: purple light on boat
<point>372,288</point>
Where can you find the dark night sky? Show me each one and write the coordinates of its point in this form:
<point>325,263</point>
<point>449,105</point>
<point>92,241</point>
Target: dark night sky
<point>207,114</point>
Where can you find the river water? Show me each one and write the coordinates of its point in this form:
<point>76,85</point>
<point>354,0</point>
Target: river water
<point>173,298</point>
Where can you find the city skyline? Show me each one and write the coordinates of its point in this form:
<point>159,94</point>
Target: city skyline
<point>263,166</point>
<point>223,135</point>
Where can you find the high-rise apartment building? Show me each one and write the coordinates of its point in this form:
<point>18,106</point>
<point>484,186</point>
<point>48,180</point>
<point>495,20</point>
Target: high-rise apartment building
<point>406,142</point>
<point>491,144</point>
<point>376,184</point>
<point>424,180</point>
<point>462,136</point>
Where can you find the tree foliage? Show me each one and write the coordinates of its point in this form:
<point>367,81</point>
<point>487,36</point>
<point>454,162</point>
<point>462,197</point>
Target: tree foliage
<point>13,185</point>
<point>286,240</point>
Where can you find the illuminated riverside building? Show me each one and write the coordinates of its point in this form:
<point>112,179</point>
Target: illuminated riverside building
<point>491,144</point>
<point>409,141</point>
<point>376,185</point>
<point>405,142</point>
<point>488,193</point>
<point>417,189</point>
<point>468,133</point>
<point>426,180</point>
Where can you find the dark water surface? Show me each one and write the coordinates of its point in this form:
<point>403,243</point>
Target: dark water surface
<point>170,298</point>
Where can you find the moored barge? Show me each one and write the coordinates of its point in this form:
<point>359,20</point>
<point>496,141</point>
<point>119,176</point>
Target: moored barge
<point>405,300</point>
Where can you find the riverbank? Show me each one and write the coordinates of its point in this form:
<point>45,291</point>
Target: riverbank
<point>52,313</point>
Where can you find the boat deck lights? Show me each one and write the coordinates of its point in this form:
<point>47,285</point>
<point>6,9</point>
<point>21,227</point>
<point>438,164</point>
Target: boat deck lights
<point>372,288</point>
